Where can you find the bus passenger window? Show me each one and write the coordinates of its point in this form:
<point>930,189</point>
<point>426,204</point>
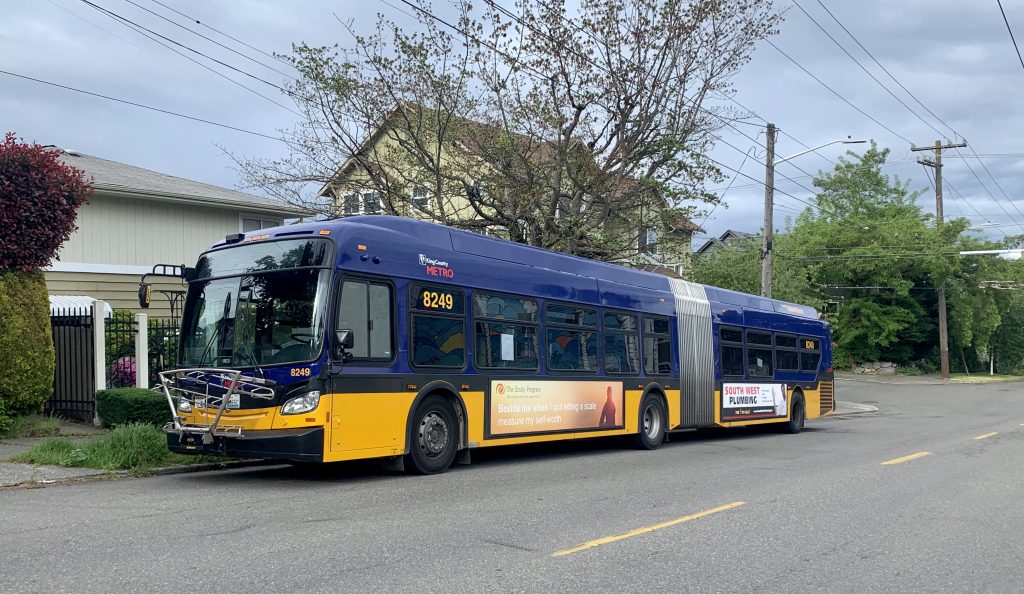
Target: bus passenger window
<point>730,343</point>
<point>621,346</point>
<point>810,354</point>
<point>571,339</point>
<point>759,354</point>
<point>508,339</point>
<point>439,332</point>
<point>657,346</point>
<point>786,357</point>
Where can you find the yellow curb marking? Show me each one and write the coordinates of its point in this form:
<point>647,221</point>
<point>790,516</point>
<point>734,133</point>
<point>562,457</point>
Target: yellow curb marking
<point>987,435</point>
<point>907,458</point>
<point>609,539</point>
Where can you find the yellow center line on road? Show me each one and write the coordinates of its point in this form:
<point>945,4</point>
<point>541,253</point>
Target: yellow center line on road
<point>906,458</point>
<point>987,435</point>
<point>609,539</point>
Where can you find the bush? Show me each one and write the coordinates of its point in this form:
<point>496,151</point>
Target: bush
<point>26,344</point>
<point>121,406</point>
<point>41,196</point>
<point>121,373</point>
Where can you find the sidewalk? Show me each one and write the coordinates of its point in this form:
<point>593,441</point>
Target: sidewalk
<point>12,474</point>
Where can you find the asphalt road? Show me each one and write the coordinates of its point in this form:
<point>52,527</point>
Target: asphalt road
<point>815,512</point>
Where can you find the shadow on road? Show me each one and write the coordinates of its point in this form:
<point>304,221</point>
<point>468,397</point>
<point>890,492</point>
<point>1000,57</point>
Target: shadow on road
<point>495,457</point>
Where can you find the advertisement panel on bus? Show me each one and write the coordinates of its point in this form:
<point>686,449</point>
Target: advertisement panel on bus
<point>744,402</point>
<point>530,406</point>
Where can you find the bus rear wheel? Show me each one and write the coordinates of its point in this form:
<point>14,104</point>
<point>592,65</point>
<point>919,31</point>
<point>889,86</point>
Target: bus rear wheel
<point>651,423</point>
<point>795,424</point>
<point>433,441</point>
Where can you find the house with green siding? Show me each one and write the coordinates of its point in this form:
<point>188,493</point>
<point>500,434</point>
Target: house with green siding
<point>138,218</point>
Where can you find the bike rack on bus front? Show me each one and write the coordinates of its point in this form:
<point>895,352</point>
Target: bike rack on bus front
<point>194,387</point>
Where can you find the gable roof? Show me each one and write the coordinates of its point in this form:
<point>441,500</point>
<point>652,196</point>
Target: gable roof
<point>111,177</point>
<point>727,235</point>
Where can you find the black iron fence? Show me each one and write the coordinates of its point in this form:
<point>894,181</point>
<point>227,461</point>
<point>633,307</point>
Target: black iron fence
<point>119,338</point>
<point>74,382</point>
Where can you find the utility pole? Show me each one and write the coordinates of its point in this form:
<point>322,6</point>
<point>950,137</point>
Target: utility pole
<point>940,221</point>
<point>769,200</point>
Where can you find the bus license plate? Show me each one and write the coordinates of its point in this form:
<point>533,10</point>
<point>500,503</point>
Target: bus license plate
<point>234,401</point>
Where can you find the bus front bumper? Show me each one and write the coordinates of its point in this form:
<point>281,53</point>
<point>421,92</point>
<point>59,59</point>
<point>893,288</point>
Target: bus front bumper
<point>303,444</point>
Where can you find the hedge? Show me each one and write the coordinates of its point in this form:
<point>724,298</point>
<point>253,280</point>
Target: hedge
<point>26,344</point>
<point>121,406</point>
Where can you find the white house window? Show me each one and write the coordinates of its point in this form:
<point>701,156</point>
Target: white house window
<point>649,240</point>
<point>350,204</point>
<point>361,203</point>
<point>371,202</point>
<point>420,197</point>
<point>255,223</point>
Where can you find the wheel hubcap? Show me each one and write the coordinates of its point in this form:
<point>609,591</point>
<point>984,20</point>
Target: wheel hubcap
<point>433,434</point>
<point>652,421</point>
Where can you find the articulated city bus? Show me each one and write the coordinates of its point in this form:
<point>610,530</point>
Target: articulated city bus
<point>386,337</point>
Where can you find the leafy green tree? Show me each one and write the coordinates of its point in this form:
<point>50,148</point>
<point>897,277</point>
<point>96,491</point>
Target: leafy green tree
<point>869,244</point>
<point>737,266</point>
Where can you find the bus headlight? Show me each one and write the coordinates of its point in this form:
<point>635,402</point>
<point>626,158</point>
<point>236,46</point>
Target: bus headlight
<point>184,406</point>
<point>301,404</point>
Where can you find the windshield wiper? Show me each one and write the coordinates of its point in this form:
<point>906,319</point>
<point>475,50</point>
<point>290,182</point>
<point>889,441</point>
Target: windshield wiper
<point>217,328</point>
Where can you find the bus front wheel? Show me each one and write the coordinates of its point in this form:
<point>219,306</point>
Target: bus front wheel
<point>434,438</point>
<point>651,423</point>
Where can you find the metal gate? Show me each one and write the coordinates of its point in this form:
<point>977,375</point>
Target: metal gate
<point>74,380</point>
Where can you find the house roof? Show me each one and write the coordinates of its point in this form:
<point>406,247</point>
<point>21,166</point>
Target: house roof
<point>727,235</point>
<point>112,177</point>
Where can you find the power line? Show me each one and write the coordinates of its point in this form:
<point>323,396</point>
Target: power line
<point>219,32</point>
<point>183,46</point>
<point>142,31</point>
<point>213,41</point>
<point>140,105</point>
<point>919,102</point>
<point>866,71</point>
<point>1005,20</point>
<point>886,70</point>
<point>837,94</point>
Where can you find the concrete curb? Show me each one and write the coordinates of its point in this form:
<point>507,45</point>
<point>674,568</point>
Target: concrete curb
<point>186,468</point>
<point>44,476</point>
<point>852,408</point>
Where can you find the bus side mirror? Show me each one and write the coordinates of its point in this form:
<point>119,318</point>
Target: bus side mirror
<point>343,340</point>
<point>145,295</point>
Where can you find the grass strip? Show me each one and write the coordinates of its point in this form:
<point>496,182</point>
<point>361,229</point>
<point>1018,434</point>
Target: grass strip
<point>32,426</point>
<point>135,447</point>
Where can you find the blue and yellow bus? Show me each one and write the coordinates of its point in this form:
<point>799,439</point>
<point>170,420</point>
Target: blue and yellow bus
<point>386,337</point>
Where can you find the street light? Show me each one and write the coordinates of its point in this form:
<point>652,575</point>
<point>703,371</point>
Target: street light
<point>769,202</point>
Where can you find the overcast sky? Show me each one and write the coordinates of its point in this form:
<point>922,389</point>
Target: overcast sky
<point>956,57</point>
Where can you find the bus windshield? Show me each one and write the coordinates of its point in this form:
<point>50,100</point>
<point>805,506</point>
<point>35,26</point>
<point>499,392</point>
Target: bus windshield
<point>272,317</point>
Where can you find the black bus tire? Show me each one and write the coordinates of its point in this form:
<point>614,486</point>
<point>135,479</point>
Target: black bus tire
<point>651,423</point>
<point>795,424</point>
<point>433,442</point>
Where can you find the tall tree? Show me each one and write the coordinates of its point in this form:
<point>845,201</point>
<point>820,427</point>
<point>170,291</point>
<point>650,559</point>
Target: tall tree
<point>573,131</point>
<point>39,200</point>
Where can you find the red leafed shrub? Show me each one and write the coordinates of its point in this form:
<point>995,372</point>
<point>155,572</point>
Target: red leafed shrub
<point>39,200</point>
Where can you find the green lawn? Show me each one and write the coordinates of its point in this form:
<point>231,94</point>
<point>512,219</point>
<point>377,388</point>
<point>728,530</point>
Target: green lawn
<point>977,378</point>
<point>32,426</point>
